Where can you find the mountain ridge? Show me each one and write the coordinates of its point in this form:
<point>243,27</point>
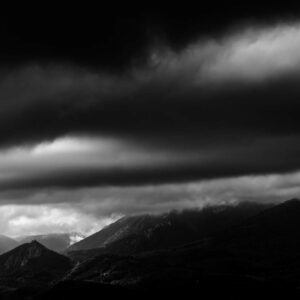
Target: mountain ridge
<point>131,235</point>
<point>246,252</point>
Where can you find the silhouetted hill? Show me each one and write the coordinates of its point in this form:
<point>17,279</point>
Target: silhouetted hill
<point>32,264</point>
<point>131,235</point>
<point>7,244</point>
<point>212,287</point>
<point>55,241</point>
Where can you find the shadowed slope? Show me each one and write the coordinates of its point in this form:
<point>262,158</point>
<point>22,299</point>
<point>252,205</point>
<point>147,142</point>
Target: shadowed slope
<point>262,251</point>
<point>32,263</point>
<point>131,235</point>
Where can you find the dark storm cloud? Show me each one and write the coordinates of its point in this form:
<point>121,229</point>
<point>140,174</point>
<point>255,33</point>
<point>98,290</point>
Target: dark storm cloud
<point>42,107</point>
<point>219,107</point>
<point>114,38</point>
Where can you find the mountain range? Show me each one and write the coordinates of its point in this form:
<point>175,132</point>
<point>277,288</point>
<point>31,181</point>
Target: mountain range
<point>260,254</point>
<point>244,251</point>
<point>135,234</point>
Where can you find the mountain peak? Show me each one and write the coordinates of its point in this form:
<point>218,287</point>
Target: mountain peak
<point>54,241</point>
<point>22,255</point>
<point>35,243</point>
<point>30,260</point>
<point>27,253</point>
<point>35,248</point>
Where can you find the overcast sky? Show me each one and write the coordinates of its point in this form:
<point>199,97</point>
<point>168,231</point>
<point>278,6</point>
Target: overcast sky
<point>108,114</point>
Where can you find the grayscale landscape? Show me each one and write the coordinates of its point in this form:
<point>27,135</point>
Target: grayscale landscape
<point>150,153</point>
